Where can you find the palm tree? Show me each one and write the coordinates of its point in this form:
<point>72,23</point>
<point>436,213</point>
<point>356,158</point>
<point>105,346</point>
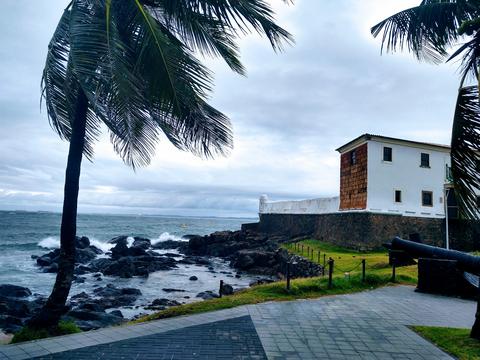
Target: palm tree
<point>131,65</point>
<point>430,30</point>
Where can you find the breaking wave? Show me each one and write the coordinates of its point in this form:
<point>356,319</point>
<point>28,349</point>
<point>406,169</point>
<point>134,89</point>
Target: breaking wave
<point>167,236</point>
<point>53,242</point>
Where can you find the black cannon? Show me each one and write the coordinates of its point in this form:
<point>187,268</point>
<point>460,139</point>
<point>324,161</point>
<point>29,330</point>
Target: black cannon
<point>448,272</point>
<point>464,261</point>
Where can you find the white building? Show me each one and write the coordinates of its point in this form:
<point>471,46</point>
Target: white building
<point>382,175</point>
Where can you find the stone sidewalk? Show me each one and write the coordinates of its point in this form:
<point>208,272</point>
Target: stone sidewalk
<point>367,325</point>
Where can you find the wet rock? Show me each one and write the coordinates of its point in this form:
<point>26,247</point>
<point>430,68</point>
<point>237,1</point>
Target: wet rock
<point>227,289</point>
<point>9,290</point>
<point>82,242</point>
<point>111,291</point>
<point>143,243</point>
<point>120,249</point>
<point>170,244</point>
<point>82,270</point>
<point>84,256</point>
<point>90,320</point>
<point>117,313</point>
<point>11,324</point>
<point>79,279</point>
<point>161,304</point>
<point>168,290</point>
<point>52,268</point>
<point>193,278</point>
<point>206,295</point>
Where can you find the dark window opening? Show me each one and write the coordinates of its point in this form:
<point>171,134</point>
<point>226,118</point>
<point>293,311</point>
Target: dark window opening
<point>387,154</point>
<point>398,196</point>
<point>427,198</point>
<point>353,157</point>
<point>425,160</point>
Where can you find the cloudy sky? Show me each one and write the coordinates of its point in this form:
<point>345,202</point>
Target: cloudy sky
<point>289,115</point>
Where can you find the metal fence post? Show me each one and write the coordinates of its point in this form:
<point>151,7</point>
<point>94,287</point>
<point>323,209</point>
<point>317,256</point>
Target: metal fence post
<point>363,270</point>
<point>394,263</point>
<point>288,275</point>
<point>330,272</point>
<point>324,260</point>
<point>220,291</point>
<point>318,257</point>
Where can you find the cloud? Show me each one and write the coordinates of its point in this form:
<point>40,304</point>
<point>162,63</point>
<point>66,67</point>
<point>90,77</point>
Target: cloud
<point>290,114</point>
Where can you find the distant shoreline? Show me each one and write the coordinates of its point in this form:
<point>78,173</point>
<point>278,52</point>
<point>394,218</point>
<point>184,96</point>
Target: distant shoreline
<point>136,215</point>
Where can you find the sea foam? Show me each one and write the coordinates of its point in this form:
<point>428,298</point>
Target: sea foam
<point>53,242</point>
<point>167,236</point>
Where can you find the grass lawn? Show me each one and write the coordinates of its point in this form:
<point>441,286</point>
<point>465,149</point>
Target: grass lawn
<point>454,341</point>
<point>346,260</point>
<point>377,270</point>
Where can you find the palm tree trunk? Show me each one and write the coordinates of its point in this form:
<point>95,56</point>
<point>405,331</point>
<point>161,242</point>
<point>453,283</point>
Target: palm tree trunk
<point>55,307</point>
<point>475,332</point>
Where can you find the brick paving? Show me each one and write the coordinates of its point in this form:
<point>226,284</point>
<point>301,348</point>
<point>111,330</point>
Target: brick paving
<point>228,339</point>
<point>368,325</point>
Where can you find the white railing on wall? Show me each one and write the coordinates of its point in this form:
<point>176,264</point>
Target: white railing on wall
<point>313,206</point>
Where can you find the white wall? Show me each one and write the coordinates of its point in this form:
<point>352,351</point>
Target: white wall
<point>313,206</point>
<point>404,173</point>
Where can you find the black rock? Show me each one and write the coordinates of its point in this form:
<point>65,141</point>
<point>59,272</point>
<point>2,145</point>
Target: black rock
<point>11,324</point>
<point>227,289</point>
<point>9,290</point>
<point>206,295</point>
<point>170,244</point>
<point>95,250</point>
<point>173,290</point>
<point>164,302</point>
<point>193,278</point>
<point>117,313</point>
<point>120,249</point>
<point>82,242</point>
<point>52,268</point>
<point>84,256</point>
<point>141,243</point>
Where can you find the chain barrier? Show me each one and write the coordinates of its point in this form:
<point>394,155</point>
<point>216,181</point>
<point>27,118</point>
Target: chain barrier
<point>347,271</point>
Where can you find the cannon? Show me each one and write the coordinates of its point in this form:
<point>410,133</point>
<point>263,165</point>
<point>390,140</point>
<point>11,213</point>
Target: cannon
<point>443,271</point>
<point>465,262</point>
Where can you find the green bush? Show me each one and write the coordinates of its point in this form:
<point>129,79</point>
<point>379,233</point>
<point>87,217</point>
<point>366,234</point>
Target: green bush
<point>29,334</point>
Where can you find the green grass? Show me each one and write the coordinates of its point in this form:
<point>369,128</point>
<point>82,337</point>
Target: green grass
<point>28,334</point>
<point>454,341</point>
<point>346,260</point>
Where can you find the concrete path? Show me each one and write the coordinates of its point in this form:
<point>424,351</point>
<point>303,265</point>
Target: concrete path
<point>368,325</point>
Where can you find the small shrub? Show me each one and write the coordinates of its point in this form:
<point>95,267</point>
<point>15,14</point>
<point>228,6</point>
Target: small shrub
<point>29,334</point>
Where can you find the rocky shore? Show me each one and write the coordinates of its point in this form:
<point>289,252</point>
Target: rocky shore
<point>246,252</point>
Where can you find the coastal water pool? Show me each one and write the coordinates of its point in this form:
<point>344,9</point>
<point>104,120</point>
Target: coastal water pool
<point>23,234</point>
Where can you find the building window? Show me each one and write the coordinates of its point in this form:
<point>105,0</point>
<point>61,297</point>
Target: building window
<point>387,154</point>
<point>398,196</point>
<point>427,198</point>
<point>353,157</point>
<point>425,160</point>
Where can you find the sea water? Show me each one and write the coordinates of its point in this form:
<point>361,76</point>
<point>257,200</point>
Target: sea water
<point>23,234</point>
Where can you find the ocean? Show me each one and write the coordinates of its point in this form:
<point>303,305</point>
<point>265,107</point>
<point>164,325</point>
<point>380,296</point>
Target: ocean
<point>23,234</point>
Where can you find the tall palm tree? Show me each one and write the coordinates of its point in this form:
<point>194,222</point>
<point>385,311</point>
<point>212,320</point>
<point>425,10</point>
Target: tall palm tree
<point>131,65</point>
<point>430,31</point>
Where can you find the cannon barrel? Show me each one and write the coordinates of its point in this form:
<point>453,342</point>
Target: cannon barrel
<point>465,261</point>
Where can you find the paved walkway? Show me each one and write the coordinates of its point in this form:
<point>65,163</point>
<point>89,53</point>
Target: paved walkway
<point>368,325</point>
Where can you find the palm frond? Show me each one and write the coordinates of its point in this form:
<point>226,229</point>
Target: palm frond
<point>465,152</point>
<point>61,87</point>
<point>470,58</point>
<point>427,30</point>
<point>239,16</point>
